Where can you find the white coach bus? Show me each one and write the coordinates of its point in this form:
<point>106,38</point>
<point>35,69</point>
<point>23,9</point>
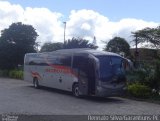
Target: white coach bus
<point>82,71</point>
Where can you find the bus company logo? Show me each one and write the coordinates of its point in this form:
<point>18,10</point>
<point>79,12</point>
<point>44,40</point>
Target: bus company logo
<point>58,70</point>
<point>61,69</point>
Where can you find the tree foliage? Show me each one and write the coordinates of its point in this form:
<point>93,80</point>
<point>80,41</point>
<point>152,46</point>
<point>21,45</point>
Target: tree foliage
<point>148,35</point>
<point>78,43</point>
<point>15,41</point>
<point>48,47</point>
<point>118,45</point>
<point>69,44</point>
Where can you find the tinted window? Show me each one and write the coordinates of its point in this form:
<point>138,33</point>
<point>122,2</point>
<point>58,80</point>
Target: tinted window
<point>37,61</point>
<point>65,60</point>
<point>80,62</point>
<point>53,60</point>
<point>105,66</point>
<point>116,61</point>
<point>117,64</point>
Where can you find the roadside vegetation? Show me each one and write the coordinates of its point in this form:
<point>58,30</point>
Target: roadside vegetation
<point>143,79</point>
<point>144,82</point>
<point>16,74</point>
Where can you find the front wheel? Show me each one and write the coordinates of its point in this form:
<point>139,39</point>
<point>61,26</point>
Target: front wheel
<point>36,83</point>
<point>75,90</point>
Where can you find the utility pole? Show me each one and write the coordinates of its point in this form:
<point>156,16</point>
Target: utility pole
<point>64,31</point>
<point>136,52</point>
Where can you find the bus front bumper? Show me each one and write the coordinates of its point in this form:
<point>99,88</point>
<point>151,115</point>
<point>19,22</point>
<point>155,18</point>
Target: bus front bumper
<point>110,92</point>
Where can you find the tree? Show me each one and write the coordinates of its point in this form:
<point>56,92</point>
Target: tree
<point>118,45</point>
<point>78,43</point>
<point>148,35</point>
<point>71,43</point>
<point>48,47</point>
<point>15,41</point>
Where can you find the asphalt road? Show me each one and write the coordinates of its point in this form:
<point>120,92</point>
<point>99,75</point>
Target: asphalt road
<point>19,97</point>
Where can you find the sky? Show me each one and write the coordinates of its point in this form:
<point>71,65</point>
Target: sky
<point>103,19</point>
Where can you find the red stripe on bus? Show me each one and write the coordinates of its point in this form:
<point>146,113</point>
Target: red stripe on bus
<point>61,68</point>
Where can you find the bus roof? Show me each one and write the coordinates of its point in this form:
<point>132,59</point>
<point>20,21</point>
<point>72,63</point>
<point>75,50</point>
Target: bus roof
<point>87,51</point>
<point>77,51</point>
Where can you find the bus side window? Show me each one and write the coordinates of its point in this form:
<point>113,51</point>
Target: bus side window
<point>37,61</point>
<point>53,60</point>
<point>81,63</point>
<point>65,60</point>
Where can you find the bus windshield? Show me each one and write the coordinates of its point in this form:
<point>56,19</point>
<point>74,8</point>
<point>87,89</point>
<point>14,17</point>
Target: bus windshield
<point>109,66</point>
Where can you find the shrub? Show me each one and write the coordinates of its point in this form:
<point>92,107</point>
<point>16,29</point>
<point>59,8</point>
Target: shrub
<point>138,74</point>
<point>144,75</point>
<point>17,74</point>
<point>4,73</point>
<point>139,90</point>
<point>155,82</point>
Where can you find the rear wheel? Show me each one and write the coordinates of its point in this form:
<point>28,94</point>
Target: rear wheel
<point>75,90</point>
<point>36,83</point>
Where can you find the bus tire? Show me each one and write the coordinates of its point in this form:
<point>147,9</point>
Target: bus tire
<point>75,90</point>
<point>36,83</point>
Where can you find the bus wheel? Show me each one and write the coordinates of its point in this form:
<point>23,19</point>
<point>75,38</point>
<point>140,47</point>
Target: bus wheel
<point>76,90</point>
<point>35,83</point>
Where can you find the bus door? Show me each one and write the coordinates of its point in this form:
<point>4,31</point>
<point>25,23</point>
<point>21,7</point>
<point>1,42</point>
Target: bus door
<point>80,63</point>
<point>91,76</point>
